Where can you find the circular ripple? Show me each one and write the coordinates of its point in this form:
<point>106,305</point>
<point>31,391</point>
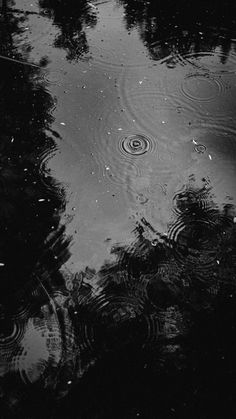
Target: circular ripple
<point>11,334</point>
<point>215,60</point>
<point>146,104</point>
<point>197,231</point>
<point>136,144</point>
<point>122,55</point>
<point>53,77</point>
<point>126,161</point>
<point>201,87</point>
<point>200,148</point>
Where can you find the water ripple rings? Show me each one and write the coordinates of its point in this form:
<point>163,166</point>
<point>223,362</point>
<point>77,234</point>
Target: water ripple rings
<point>53,77</point>
<point>30,362</point>
<point>216,62</point>
<point>135,145</point>
<point>9,341</point>
<point>124,159</point>
<point>114,60</point>
<point>200,148</point>
<point>201,87</point>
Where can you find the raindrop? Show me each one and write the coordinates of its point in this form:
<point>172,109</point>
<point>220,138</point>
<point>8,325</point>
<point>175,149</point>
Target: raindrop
<point>136,144</point>
<point>200,148</point>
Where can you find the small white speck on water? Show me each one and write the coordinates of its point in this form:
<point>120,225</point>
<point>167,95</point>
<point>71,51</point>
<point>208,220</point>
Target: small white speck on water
<point>120,129</point>
<point>62,123</point>
<point>41,199</point>
<point>194,141</point>
<point>210,157</point>
<point>2,264</point>
<point>234,220</point>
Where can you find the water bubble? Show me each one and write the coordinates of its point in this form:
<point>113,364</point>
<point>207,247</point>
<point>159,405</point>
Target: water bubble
<point>136,144</point>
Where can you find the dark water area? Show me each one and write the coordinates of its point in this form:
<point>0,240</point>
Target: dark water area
<point>117,209</point>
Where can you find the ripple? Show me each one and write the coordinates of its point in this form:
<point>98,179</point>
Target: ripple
<point>200,148</point>
<point>135,144</point>
<point>53,77</point>
<point>11,334</point>
<point>30,338</point>
<point>215,60</point>
<point>40,346</point>
<point>86,337</point>
<point>152,328</point>
<point>146,104</point>
<point>197,231</point>
<point>125,160</point>
<point>122,55</point>
<point>119,308</point>
<point>201,87</point>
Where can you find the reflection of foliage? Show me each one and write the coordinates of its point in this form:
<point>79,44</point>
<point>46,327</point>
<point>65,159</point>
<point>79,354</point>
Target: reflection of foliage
<point>33,246</point>
<point>30,199</point>
<point>159,321</point>
<point>183,27</point>
<point>70,17</point>
<point>168,304</point>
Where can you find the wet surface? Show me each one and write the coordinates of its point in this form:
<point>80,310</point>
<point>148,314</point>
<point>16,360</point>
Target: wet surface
<point>117,209</point>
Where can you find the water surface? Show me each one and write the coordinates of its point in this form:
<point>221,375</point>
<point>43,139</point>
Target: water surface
<point>117,215</point>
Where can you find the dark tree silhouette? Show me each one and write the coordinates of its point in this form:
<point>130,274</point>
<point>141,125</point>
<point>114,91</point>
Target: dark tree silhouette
<point>33,246</point>
<point>170,29</point>
<point>71,18</point>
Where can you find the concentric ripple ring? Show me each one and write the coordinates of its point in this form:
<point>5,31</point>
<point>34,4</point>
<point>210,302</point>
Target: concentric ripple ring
<point>136,144</point>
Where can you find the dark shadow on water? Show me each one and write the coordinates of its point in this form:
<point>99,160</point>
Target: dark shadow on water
<point>71,18</point>
<point>33,246</point>
<point>31,200</point>
<point>163,320</point>
<point>151,333</point>
<point>172,29</point>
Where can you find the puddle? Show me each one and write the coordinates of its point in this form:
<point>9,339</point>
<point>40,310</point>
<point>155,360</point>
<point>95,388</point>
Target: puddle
<point>117,215</point>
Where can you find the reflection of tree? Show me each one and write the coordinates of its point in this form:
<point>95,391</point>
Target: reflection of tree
<point>33,246</point>
<point>70,17</point>
<point>166,311</point>
<point>170,28</point>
